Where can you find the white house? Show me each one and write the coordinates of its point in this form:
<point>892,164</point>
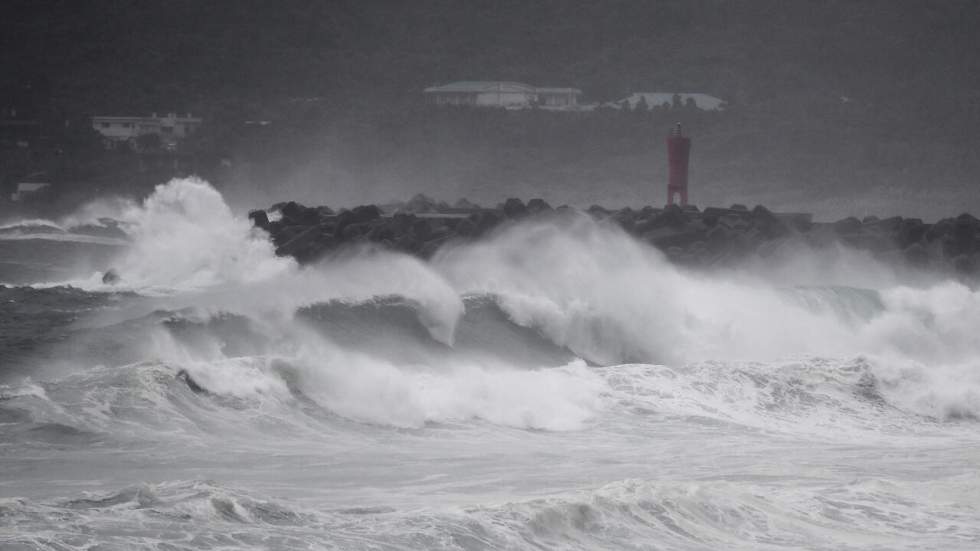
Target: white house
<point>703,102</point>
<point>510,95</point>
<point>30,185</point>
<point>171,128</point>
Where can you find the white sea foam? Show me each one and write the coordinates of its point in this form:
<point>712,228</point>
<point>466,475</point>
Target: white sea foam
<point>807,404</point>
<point>585,286</point>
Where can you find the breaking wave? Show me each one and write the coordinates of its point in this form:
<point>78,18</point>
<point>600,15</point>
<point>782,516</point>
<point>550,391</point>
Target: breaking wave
<point>506,329</point>
<point>555,384</point>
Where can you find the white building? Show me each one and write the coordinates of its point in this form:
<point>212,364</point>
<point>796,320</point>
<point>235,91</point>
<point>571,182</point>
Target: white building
<point>510,95</point>
<point>703,102</point>
<point>30,185</point>
<point>171,128</point>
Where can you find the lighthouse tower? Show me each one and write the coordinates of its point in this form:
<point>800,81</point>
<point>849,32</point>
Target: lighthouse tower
<point>678,155</point>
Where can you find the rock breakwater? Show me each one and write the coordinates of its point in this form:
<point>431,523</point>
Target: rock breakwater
<point>712,237</point>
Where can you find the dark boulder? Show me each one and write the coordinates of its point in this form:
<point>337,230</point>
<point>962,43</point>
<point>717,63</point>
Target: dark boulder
<point>968,219</point>
<point>717,238</point>
<point>889,225</point>
<point>465,228</point>
<point>301,244</point>
<point>439,230</point>
<point>402,222</point>
<point>465,204</point>
<point>429,248</point>
<point>185,377</point>
<point>110,277</point>
<point>421,203</point>
<point>450,223</point>
<point>801,222</point>
<point>598,211</point>
<point>538,205</point>
<point>911,230</point>
<point>366,213</point>
<point>644,223</point>
<point>733,222</point>
<point>673,216</point>
<point>357,215</point>
<point>822,235</point>
<point>710,215</point>
<point>713,237</point>
<point>354,231</point>
<point>422,229</point>
<point>381,232</point>
<point>965,264</point>
<point>295,214</point>
<point>626,219</point>
<point>259,219</point>
<point>668,237</point>
<point>408,243</point>
<point>485,221</point>
<point>768,223</point>
<point>874,242</point>
<point>916,255</point>
<point>284,234</point>
<point>514,208</point>
<point>747,241</point>
<point>847,225</point>
<point>964,234</point>
<point>940,229</point>
<point>773,248</point>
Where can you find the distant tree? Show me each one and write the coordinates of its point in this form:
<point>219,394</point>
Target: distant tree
<point>676,102</point>
<point>148,142</point>
<point>77,136</point>
<point>690,104</point>
<point>642,105</point>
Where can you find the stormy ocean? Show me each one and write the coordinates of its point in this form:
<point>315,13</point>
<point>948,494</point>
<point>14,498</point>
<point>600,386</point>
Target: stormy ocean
<point>555,385</point>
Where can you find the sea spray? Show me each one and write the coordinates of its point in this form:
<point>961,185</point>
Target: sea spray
<point>222,396</point>
<point>613,299</point>
<point>585,286</point>
<point>185,236</point>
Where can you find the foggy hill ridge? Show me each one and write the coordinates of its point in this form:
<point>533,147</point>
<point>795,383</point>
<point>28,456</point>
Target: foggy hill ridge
<point>836,107</point>
<point>183,52</point>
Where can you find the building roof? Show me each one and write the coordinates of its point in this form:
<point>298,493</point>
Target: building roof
<point>477,86</point>
<point>154,118</point>
<point>30,187</point>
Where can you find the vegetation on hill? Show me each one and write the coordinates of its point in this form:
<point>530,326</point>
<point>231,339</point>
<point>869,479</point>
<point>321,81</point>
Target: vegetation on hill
<point>825,97</point>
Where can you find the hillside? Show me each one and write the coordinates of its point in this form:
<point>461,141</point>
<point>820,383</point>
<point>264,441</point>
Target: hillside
<point>879,97</point>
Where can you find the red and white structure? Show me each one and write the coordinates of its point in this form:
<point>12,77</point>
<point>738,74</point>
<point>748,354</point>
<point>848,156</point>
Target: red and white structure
<point>678,157</point>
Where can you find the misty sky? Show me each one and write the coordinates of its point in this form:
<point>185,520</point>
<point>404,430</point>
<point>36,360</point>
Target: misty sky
<point>833,104</point>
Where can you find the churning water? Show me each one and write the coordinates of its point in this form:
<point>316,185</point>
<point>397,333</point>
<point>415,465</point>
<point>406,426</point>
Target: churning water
<point>556,385</point>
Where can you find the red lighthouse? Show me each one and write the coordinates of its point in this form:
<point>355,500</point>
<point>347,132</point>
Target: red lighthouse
<point>678,155</point>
